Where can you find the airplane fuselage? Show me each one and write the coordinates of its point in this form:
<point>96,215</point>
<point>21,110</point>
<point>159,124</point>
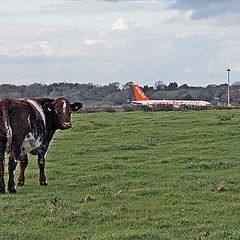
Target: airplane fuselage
<point>171,102</point>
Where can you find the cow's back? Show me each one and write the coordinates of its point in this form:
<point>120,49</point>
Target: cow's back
<point>20,115</point>
<point>24,121</point>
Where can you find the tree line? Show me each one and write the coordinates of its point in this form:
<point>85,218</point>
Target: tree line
<point>115,94</point>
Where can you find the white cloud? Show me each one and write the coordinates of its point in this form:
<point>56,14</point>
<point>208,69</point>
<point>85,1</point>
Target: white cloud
<point>120,24</point>
<point>188,71</point>
<point>29,49</point>
<point>41,48</point>
<point>183,17</point>
<point>93,41</point>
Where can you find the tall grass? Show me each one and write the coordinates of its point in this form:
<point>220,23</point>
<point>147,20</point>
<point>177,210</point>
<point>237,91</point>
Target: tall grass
<point>137,175</point>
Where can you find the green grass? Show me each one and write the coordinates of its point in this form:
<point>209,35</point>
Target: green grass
<point>131,176</point>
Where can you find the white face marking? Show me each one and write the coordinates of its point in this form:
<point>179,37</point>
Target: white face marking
<point>30,143</point>
<point>64,106</point>
<point>38,107</point>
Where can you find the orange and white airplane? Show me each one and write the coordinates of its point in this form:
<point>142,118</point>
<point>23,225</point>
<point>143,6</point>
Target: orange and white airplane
<point>142,99</point>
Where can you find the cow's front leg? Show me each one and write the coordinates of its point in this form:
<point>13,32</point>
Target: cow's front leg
<point>23,165</point>
<point>41,165</point>
<point>11,171</point>
<point>2,183</point>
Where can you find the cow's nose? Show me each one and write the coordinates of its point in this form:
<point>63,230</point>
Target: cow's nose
<point>67,124</point>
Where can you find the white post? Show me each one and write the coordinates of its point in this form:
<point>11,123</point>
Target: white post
<point>228,70</point>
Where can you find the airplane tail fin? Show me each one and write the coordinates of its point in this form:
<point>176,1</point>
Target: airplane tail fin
<point>139,94</point>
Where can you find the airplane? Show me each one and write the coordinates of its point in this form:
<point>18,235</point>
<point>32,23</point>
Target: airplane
<point>142,99</point>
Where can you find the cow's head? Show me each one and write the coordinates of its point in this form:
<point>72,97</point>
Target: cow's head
<point>61,111</point>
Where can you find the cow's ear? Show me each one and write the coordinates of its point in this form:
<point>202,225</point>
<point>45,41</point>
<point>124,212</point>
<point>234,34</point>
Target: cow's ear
<point>48,107</point>
<point>76,106</point>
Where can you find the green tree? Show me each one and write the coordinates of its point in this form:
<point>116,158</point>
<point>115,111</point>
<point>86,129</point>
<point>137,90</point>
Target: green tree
<point>172,86</point>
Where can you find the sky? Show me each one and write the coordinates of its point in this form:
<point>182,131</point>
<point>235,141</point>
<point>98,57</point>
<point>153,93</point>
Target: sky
<point>104,41</point>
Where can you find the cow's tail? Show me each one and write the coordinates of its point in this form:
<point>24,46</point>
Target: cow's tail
<point>5,105</point>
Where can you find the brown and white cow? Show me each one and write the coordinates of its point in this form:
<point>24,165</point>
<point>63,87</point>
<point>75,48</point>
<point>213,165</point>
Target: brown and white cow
<point>27,126</point>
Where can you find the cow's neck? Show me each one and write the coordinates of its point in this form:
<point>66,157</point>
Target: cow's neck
<point>51,128</point>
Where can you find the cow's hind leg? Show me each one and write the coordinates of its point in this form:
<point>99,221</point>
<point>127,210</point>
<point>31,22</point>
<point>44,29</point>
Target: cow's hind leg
<point>23,165</point>
<point>41,165</point>
<point>2,183</point>
<point>11,171</point>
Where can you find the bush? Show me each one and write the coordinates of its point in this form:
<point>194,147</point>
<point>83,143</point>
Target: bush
<point>128,108</point>
<point>160,107</point>
<point>109,109</point>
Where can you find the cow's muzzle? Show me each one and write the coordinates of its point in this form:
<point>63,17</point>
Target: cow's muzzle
<point>66,125</point>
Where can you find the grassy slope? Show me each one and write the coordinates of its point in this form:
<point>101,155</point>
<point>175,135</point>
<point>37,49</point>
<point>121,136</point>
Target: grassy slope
<point>133,176</point>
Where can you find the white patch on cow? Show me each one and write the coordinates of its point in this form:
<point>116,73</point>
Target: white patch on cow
<point>64,106</point>
<point>29,122</point>
<point>8,136</point>
<point>30,143</point>
<point>38,107</point>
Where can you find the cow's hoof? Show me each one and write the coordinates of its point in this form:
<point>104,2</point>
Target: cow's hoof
<point>13,190</point>
<point>43,183</point>
<point>20,183</point>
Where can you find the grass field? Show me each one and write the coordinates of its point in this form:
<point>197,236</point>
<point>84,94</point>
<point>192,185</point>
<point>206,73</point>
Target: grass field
<point>131,176</point>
